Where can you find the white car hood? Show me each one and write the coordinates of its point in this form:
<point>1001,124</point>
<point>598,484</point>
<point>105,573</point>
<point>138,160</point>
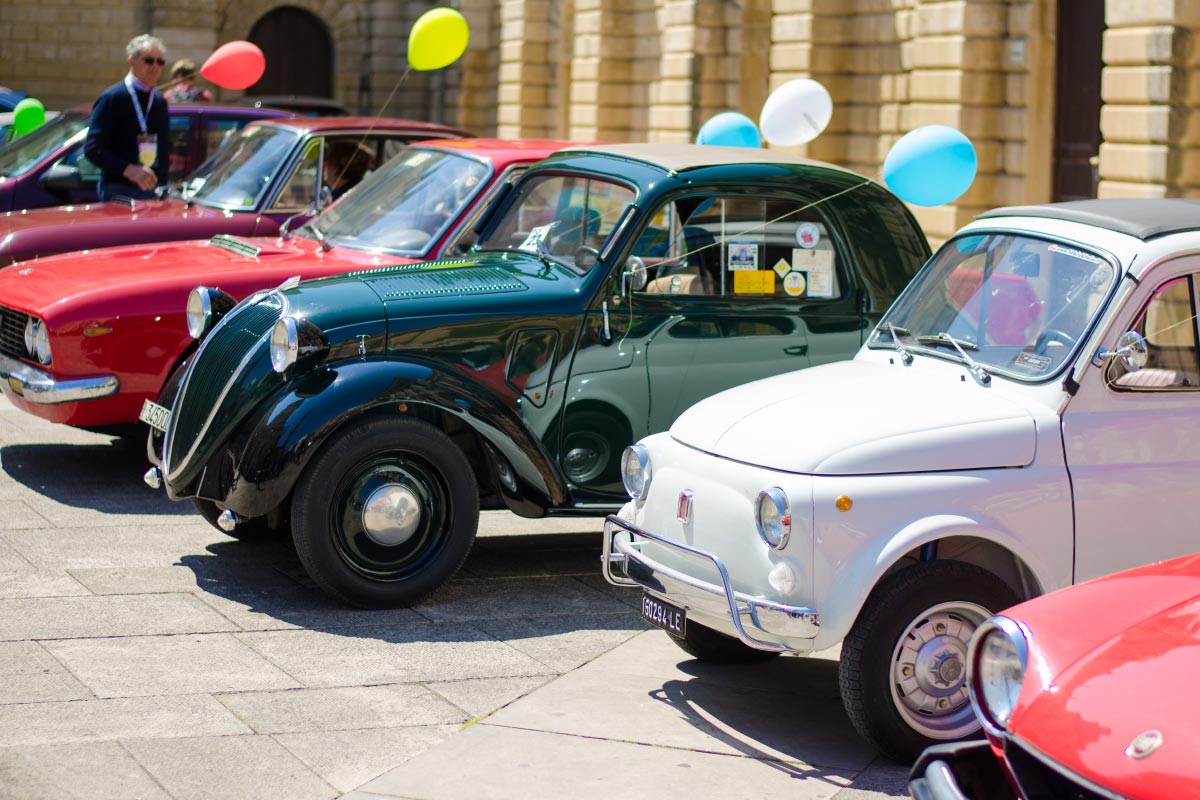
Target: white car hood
<point>862,418</point>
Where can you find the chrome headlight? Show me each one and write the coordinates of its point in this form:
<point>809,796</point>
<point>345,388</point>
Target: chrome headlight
<point>998,657</point>
<point>773,516</point>
<point>285,344</point>
<point>635,471</point>
<point>205,307</point>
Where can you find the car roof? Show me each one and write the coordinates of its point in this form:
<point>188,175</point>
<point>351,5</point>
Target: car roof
<point>414,127</point>
<point>677,157</point>
<point>505,149</point>
<point>1141,218</point>
<point>216,109</point>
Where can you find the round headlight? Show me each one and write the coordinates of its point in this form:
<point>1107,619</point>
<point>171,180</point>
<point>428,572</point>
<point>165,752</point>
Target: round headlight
<point>41,343</point>
<point>635,471</point>
<point>773,516</point>
<point>284,344</point>
<point>31,326</point>
<point>199,312</point>
<point>998,658</point>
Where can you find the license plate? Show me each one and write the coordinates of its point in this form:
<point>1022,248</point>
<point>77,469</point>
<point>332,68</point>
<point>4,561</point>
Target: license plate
<point>155,416</point>
<point>670,618</point>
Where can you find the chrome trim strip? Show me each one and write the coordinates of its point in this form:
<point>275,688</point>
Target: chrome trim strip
<point>36,386</point>
<point>767,616</point>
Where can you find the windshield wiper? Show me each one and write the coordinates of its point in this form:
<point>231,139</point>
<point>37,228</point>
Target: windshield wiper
<point>961,345</point>
<point>896,333</point>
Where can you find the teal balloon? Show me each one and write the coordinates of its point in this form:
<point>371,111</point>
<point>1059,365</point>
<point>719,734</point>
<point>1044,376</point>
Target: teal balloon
<point>28,115</point>
<point>930,166</point>
<point>729,129</point>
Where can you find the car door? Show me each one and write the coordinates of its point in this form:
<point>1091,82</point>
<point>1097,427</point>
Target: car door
<point>1132,438</point>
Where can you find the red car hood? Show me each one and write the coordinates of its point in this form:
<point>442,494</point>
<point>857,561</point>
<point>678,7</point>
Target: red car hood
<point>93,213</point>
<point>1110,660</point>
<point>125,273</point>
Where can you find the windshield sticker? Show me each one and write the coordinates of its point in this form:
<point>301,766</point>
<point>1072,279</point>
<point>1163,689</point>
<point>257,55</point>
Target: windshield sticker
<point>794,283</point>
<point>1082,256</point>
<point>1033,361</point>
<point>782,267</point>
<point>818,264</point>
<point>417,159</point>
<point>758,281</point>
<point>742,256</point>
<point>808,235</point>
<point>534,241</point>
<point>966,244</point>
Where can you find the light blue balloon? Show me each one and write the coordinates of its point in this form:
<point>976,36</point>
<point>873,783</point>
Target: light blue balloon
<point>930,166</point>
<point>729,129</point>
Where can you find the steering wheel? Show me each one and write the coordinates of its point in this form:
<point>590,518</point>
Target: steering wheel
<point>1051,335</point>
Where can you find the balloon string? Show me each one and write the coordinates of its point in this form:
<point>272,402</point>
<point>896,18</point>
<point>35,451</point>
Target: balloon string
<point>374,122</point>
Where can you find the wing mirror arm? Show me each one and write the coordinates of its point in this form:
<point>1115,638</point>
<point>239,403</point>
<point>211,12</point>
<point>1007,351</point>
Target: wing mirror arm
<point>285,231</point>
<point>1132,353</point>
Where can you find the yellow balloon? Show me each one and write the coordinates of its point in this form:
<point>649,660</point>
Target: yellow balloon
<point>437,39</point>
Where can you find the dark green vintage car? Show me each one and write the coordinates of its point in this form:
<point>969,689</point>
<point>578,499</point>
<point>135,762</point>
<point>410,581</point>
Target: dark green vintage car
<point>610,289</point>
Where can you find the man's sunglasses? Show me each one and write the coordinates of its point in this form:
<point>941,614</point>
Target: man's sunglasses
<point>151,61</point>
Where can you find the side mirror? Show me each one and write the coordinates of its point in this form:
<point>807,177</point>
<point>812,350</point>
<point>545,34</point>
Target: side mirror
<point>633,277</point>
<point>1132,353</point>
<point>62,178</point>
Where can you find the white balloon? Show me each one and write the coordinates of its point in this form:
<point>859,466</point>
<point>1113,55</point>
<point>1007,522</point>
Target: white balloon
<point>795,113</point>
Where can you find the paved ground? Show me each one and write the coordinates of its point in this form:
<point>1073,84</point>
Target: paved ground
<point>144,654</point>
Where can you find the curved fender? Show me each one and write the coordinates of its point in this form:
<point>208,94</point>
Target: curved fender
<point>274,445</point>
<point>847,588</point>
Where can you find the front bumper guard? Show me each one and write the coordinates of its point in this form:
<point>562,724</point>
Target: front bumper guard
<point>743,611</point>
<point>35,386</point>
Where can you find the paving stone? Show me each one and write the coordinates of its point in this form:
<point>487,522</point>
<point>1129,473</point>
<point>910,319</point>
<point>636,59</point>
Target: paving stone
<point>391,654</point>
<point>218,768</point>
<point>39,583</point>
<point>346,759</point>
<point>29,674</point>
<point>133,615</point>
<point>257,605</point>
<point>481,696</point>
<point>342,709</point>
<point>16,515</point>
<point>84,771</point>
<point>148,543</point>
<point>882,779</point>
<point>138,666</point>
<point>133,717</point>
<point>484,599</point>
<point>564,643</point>
<point>535,555</point>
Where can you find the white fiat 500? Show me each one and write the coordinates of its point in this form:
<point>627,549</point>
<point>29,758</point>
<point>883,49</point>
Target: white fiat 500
<point>1024,417</point>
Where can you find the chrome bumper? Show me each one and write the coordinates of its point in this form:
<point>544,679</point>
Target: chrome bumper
<point>36,386</point>
<point>748,615</point>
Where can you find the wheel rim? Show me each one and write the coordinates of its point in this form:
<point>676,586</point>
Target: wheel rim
<point>390,517</point>
<point>929,670</point>
<point>585,456</point>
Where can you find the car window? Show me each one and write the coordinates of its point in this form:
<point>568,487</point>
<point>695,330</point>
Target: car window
<point>242,170</point>
<point>300,191</point>
<point>1168,323</point>
<point>27,152</point>
<point>180,139</point>
<point>737,246</point>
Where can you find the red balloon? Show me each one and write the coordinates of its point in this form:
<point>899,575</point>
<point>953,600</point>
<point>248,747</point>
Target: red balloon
<point>235,65</point>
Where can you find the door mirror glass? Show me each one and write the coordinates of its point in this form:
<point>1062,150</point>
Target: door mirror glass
<point>633,277</point>
<point>1132,353</point>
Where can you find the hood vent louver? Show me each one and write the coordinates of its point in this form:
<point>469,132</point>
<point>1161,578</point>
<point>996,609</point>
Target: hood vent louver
<point>227,242</point>
<point>438,282</point>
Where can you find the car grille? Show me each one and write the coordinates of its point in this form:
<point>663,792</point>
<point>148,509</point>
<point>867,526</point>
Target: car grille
<point>12,332</point>
<point>1040,780</point>
<point>213,367</point>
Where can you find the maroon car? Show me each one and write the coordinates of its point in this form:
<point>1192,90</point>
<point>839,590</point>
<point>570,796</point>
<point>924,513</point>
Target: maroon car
<point>47,167</point>
<point>265,173</point>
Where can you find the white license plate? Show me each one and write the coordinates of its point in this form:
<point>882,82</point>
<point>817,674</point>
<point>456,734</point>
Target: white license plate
<point>670,618</point>
<point>155,416</point>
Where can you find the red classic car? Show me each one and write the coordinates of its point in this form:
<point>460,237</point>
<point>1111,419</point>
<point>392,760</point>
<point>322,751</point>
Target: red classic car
<point>1083,693</point>
<point>47,167</point>
<point>267,172</point>
<point>86,338</point>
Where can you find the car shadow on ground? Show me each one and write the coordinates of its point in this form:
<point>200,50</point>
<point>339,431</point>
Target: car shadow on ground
<point>104,477</point>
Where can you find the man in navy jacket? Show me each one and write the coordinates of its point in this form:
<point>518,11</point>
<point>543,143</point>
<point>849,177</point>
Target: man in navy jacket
<point>129,135</point>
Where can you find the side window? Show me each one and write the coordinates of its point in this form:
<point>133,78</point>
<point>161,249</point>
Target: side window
<point>740,247</point>
<point>1169,324</point>
<point>215,133</point>
<point>464,240</point>
<point>181,138</point>
<point>300,191</point>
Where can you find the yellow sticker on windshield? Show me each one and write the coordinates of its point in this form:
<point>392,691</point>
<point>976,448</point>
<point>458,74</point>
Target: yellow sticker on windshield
<point>757,281</point>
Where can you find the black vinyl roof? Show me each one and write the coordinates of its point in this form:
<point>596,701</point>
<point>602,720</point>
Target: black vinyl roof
<point>1141,218</point>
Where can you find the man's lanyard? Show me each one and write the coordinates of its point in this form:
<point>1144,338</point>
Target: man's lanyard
<point>141,116</point>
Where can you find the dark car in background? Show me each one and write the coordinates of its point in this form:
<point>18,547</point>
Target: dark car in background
<point>266,172</point>
<point>303,105</point>
<point>610,289</point>
<point>46,167</point>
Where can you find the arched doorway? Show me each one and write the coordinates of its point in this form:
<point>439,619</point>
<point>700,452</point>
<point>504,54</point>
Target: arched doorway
<point>1077,116</point>
<point>298,51</point>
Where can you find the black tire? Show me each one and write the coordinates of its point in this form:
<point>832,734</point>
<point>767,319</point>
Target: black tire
<point>906,698</point>
<point>400,461</point>
<point>714,647</point>
<point>591,449</point>
<point>254,528</point>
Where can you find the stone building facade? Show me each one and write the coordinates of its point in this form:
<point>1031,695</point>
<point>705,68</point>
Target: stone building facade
<point>1109,88</point>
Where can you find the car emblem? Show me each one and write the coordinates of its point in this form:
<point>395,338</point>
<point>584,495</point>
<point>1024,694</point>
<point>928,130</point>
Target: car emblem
<point>684,510</point>
<point>1145,744</point>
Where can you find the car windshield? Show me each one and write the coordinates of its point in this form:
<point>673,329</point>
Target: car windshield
<point>27,152</point>
<point>243,168</point>
<point>406,205</point>
<point>565,218</point>
<point>1013,304</point>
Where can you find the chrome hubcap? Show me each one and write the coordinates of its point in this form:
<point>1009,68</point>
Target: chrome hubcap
<point>391,514</point>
